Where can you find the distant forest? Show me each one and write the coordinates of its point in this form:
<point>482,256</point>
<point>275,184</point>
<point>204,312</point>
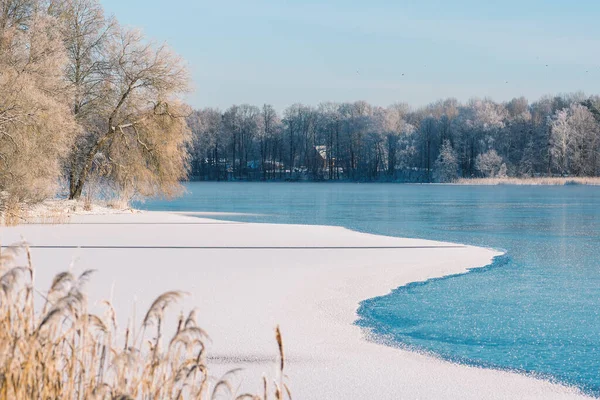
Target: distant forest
<point>444,141</point>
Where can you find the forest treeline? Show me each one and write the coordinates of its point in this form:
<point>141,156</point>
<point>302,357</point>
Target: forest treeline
<point>84,100</point>
<point>446,140</point>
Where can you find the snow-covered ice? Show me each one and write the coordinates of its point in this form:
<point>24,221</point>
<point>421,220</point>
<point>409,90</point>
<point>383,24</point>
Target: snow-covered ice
<point>243,285</point>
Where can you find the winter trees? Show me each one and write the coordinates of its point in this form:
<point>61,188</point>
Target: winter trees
<point>86,34</point>
<point>490,164</point>
<point>241,124</point>
<point>446,165</point>
<point>329,126</point>
<point>81,96</point>
<point>357,141</point>
<point>269,127</point>
<point>36,128</point>
<point>208,144</point>
<point>516,134</point>
<point>561,141</point>
<point>395,126</point>
<point>249,124</point>
<point>487,120</point>
<point>136,134</point>
<point>300,130</point>
<point>574,141</point>
<point>428,135</point>
<point>131,127</point>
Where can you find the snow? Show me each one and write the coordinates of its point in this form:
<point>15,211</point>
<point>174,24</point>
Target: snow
<point>243,286</point>
<point>67,208</point>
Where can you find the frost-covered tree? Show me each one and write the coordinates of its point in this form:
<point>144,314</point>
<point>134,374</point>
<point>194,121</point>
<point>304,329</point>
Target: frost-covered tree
<point>209,144</point>
<point>36,124</point>
<point>574,141</point>
<point>329,127</point>
<point>503,171</point>
<point>527,163</point>
<point>516,133</point>
<point>86,34</point>
<point>138,135</point>
<point>242,124</point>
<point>429,137</point>
<point>81,95</point>
<point>561,141</point>
<point>363,142</point>
<point>269,127</point>
<point>490,164</point>
<point>446,165</point>
<point>300,138</point>
<point>395,128</point>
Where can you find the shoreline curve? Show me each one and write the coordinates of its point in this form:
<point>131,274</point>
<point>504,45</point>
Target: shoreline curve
<point>312,295</point>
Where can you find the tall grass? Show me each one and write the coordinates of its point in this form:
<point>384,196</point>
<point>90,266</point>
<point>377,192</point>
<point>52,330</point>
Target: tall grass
<point>11,212</point>
<point>556,181</point>
<point>58,350</point>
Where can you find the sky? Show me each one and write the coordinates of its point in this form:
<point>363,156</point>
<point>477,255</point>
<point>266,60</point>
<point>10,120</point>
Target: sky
<point>382,51</point>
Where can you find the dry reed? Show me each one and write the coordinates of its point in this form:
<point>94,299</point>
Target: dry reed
<point>11,212</point>
<point>64,352</point>
<point>556,181</point>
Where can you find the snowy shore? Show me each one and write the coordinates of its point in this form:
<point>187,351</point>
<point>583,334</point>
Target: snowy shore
<point>247,278</point>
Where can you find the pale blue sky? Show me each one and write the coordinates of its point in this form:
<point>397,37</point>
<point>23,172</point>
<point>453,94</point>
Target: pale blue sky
<point>282,52</point>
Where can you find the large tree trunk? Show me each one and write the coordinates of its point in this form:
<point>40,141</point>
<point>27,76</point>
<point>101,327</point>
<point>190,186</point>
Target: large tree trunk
<point>76,189</point>
<point>72,180</point>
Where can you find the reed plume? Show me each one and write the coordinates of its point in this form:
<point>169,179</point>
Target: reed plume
<point>62,351</point>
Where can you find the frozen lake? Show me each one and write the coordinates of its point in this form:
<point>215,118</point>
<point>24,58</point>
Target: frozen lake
<point>535,310</point>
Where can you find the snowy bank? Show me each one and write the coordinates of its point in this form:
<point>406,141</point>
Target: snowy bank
<point>60,211</point>
<point>247,278</point>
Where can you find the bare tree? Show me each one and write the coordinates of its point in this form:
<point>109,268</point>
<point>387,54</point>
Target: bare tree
<point>79,93</point>
<point>561,141</point>
<point>574,141</point>
<point>36,125</point>
<point>208,143</point>
<point>138,131</point>
<point>299,122</point>
<point>329,126</point>
<point>268,128</point>
<point>86,34</point>
<point>16,14</point>
<point>395,126</point>
<point>356,141</point>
